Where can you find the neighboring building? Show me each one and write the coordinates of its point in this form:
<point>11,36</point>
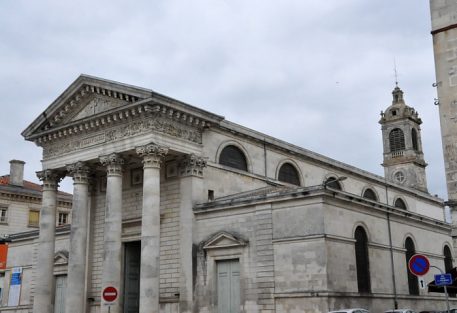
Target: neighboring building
<point>20,202</point>
<point>22,257</point>
<point>181,210</point>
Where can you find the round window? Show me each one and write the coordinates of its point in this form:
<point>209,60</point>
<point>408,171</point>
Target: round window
<point>399,177</point>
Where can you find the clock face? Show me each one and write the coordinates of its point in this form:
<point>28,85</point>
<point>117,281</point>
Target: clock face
<point>399,177</point>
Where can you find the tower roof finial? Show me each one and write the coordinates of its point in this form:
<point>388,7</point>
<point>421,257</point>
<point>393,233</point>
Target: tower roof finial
<point>396,74</point>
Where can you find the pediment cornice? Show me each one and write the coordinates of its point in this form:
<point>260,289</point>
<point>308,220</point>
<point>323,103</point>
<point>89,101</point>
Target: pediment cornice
<point>224,239</point>
<point>78,102</point>
<point>61,257</point>
<point>90,105</point>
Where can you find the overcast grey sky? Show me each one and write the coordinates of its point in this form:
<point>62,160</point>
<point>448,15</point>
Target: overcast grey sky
<point>311,72</point>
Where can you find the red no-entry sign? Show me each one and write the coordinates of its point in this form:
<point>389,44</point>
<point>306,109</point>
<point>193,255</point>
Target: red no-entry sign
<point>419,265</point>
<point>109,294</point>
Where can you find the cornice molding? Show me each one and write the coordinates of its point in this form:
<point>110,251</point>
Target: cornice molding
<point>147,114</point>
<point>75,103</point>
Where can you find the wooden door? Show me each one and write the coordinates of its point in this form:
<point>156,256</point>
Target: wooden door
<point>61,289</point>
<point>228,286</point>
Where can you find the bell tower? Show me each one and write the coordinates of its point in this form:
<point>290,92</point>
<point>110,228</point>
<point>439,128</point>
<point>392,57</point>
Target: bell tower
<point>403,157</point>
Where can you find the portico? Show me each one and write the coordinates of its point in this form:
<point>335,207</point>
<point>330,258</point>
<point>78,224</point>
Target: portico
<point>89,180</point>
<point>119,143</point>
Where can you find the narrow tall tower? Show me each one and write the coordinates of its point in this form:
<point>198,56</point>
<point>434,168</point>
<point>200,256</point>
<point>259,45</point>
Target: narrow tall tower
<point>444,32</point>
<point>403,157</point>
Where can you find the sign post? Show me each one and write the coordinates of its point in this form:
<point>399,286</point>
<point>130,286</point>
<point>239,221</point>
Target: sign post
<point>422,282</point>
<point>443,279</point>
<point>109,295</point>
<point>419,265</point>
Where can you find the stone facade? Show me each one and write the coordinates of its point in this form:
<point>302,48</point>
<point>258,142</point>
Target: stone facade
<point>218,217</point>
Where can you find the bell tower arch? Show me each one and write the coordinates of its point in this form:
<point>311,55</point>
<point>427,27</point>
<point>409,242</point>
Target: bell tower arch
<point>403,156</point>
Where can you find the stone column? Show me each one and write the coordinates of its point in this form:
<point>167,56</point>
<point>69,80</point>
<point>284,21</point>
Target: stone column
<point>76,283</point>
<point>44,290</point>
<point>111,272</point>
<point>191,190</point>
<point>150,228</point>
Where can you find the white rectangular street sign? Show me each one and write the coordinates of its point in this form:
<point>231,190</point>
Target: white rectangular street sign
<point>422,282</point>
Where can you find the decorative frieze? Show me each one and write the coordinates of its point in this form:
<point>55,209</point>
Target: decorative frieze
<point>152,154</point>
<point>191,165</point>
<point>122,131</point>
<point>113,163</point>
<point>80,172</point>
<point>50,178</point>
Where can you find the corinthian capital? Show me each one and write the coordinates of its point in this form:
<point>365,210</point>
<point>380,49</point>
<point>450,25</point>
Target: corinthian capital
<point>113,163</point>
<point>80,172</point>
<point>152,154</point>
<point>191,165</point>
<point>50,178</point>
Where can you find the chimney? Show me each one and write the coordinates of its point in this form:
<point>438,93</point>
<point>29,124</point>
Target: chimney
<point>17,173</point>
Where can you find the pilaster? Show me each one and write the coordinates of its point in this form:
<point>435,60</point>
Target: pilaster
<point>191,172</point>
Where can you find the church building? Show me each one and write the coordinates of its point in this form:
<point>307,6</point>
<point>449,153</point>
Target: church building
<point>176,209</point>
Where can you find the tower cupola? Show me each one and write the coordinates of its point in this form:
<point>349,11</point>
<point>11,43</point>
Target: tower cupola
<point>403,157</point>
<point>397,96</point>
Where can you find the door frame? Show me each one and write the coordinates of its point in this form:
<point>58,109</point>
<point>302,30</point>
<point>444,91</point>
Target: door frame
<point>122,301</point>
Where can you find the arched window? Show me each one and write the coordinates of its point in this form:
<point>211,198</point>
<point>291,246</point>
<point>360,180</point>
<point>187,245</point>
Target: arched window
<point>448,266</point>
<point>414,139</point>
<point>289,174</point>
<point>396,140</point>
<point>399,203</point>
<point>447,259</point>
<point>362,260</point>
<point>370,194</point>
<point>332,182</point>
<point>232,156</point>
<point>412,279</point>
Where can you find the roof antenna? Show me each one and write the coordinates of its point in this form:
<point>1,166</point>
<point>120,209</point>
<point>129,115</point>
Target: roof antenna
<point>396,74</point>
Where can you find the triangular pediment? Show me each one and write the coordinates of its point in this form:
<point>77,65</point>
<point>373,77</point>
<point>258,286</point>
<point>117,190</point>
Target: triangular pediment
<point>95,105</point>
<point>61,258</point>
<point>224,240</point>
<point>87,96</point>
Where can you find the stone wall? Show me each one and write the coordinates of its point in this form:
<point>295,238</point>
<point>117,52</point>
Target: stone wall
<point>300,254</point>
<point>313,172</point>
<point>132,206</point>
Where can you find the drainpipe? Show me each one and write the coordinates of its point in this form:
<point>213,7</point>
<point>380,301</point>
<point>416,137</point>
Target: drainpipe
<point>265,156</point>
<point>394,285</point>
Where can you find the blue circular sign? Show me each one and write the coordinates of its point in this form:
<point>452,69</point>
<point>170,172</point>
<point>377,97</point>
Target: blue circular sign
<point>419,265</point>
